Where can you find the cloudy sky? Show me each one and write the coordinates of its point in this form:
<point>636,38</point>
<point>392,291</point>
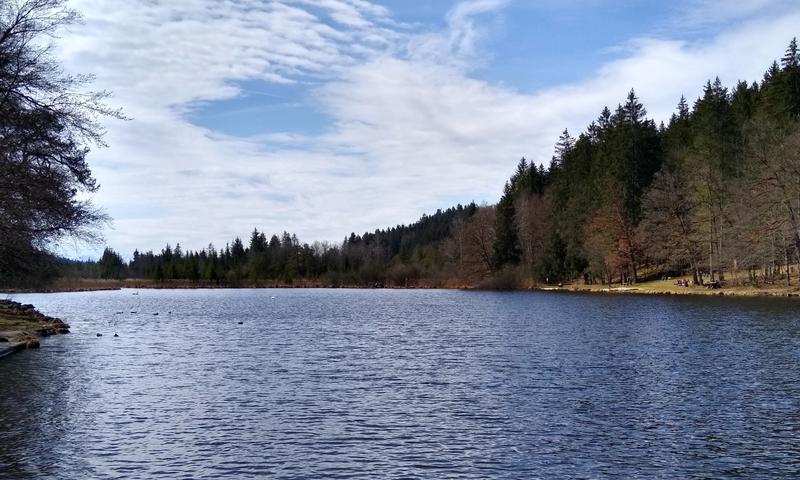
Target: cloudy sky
<point>323,117</point>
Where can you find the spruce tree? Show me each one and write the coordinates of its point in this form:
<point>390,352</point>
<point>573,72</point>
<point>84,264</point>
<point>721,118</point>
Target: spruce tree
<point>791,59</point>
<point>790,81</point>
<point>565,144</point>
<point>506,245</point>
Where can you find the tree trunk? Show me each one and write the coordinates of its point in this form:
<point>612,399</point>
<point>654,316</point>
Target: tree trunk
<point>710,246</point>
<point>788,277</point>
<point>721,267</point>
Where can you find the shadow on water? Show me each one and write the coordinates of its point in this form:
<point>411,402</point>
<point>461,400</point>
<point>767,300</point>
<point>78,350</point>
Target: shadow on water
<point>36,411</point>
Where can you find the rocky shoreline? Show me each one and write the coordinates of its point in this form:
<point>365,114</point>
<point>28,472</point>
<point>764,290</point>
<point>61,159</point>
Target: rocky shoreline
<point>22,326</point>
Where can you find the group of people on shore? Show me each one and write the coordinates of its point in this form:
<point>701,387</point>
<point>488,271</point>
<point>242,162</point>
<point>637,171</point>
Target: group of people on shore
<point>712,284</point>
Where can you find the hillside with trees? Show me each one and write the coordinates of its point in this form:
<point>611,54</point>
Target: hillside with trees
<point>715,190</point>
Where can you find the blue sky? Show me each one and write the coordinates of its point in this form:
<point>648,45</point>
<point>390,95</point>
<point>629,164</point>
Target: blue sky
<point>323,117</point>
<point>526,45</point>
<point>263,107</point>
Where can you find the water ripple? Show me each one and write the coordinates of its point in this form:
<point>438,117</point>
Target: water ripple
<point>404,384</point>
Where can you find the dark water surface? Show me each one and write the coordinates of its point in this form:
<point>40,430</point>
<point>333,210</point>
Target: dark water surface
<point>404,384</point>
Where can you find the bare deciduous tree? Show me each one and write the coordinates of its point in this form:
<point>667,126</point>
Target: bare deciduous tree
<point>47,124</point>
<point>477,236</point>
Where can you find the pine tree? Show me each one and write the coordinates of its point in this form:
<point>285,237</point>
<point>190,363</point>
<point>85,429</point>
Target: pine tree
<point>790,81</point>
<point>791,58</point>
<point>506,245</point>
<point>111,265</point>
<point>237,251</point>
<point>771,73</point>
<point>564,146</point>
<point>604,120</point>
<point>683,109</point>
<point>166,254</point>
<point>633,111</point>
<point>258,242</point>
<point>522,177</point>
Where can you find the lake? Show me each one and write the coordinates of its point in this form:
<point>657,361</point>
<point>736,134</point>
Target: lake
<point>404,384</point>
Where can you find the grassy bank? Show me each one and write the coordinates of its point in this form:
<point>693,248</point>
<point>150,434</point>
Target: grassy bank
<point>670,287</point>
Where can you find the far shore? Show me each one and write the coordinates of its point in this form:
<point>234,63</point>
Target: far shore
<point>653,287</point>
<point>671,287</point>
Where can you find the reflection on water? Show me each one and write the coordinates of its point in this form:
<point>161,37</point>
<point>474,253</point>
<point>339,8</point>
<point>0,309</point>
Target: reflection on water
<point>404,384</point>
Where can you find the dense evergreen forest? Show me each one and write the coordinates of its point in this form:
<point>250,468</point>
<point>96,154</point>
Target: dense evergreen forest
<point>714,193</point>
<point>400,255</point>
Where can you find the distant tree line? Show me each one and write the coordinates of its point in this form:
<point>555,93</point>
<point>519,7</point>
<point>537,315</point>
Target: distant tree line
<point>401,255</point>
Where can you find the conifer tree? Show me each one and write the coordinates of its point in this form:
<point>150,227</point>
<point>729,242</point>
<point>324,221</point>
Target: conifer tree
<point>506,245</point>
<point>564,147</point>
<point>791,59</point>
<point>790,81</point>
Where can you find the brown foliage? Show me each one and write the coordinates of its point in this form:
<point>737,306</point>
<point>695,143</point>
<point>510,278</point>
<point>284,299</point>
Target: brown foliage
<point>473,241</point>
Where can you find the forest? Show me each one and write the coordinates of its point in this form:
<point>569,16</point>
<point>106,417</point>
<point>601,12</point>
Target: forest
<point>713,193</point>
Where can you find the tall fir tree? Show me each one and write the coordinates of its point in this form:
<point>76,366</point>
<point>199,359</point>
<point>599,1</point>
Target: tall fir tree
<point>506,245</point>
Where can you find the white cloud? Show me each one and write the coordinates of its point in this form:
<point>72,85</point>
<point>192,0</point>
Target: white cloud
<point>457,45</point>
<point>706,13</point>
<point>176,52</point>
<point>411,129</point>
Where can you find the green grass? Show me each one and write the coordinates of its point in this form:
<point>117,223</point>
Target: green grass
<point>669,287</point>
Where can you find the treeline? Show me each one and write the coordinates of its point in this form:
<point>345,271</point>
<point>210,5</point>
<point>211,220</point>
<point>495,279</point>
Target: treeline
<point>713,193</point>
<point>402,255</point>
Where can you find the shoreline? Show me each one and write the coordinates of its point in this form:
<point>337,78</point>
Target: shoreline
<point>22,327</point>
<point>668,288</point>
<point>656,287</point>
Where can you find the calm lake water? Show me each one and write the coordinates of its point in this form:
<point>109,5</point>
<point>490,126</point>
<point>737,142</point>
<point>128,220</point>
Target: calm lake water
<point>404,384</point>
